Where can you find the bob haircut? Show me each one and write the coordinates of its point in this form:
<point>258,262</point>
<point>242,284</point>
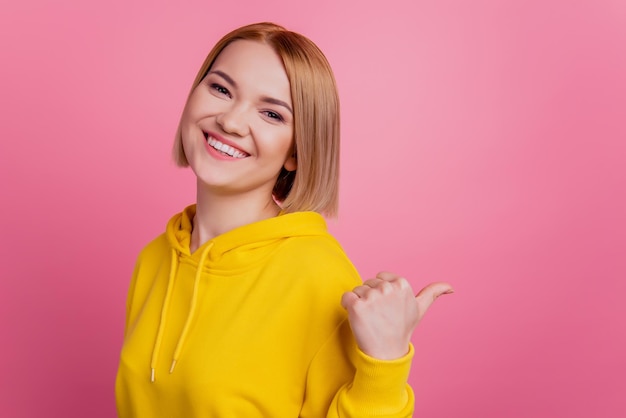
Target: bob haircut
<point>314,185</point>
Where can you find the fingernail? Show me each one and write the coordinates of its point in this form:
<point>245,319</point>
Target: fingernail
<point>447,292</point>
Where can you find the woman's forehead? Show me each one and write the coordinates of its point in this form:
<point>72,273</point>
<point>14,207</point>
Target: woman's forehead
<point>253,65</point>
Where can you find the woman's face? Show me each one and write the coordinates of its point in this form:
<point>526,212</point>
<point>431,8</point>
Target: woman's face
<point>237,125</point>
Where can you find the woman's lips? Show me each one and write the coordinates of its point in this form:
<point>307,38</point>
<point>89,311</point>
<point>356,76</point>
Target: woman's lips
<point>223,148</point>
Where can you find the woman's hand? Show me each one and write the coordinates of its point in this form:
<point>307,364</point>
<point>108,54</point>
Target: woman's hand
<point>383,313</point>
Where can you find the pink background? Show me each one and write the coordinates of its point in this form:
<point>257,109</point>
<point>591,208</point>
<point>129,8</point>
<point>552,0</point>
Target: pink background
<point>483,143</point>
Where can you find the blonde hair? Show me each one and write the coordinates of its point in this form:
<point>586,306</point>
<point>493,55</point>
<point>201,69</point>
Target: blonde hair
<point>314,185</point>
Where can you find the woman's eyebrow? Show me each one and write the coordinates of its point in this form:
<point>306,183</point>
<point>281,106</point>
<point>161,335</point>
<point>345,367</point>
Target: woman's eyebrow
<point>224,76</point>
<point>265,99</point>
<point>276,102</point>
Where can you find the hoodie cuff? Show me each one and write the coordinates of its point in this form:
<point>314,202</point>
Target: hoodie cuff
<point>381,382</point>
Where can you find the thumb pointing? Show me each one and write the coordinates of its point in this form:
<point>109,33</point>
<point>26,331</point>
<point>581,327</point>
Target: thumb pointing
<point>430,293</point>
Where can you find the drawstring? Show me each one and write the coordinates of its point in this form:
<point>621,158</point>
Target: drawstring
<point>164,309</point>
<point>192,308</point>
<point>166,303</point>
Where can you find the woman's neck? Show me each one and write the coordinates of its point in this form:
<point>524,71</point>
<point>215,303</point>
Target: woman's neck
<point>217,214</point>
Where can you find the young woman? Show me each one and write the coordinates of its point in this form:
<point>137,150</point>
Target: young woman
<point>246,306</point>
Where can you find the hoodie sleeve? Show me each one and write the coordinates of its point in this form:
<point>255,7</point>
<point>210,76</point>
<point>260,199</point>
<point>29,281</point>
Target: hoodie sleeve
<point>356,385</point>
<point>131,294</point>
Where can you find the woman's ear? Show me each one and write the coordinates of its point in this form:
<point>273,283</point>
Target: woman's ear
<point>291,163</point>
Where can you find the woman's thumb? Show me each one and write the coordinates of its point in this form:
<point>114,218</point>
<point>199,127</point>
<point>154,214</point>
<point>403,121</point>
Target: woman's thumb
<point>430,293</point>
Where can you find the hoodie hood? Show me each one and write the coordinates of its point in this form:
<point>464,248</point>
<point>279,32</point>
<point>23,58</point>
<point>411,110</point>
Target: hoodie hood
<point>244,239</point>
<point>179,229</point>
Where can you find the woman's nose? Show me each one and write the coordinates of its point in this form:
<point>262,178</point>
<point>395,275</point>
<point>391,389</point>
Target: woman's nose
<point>234,120</point>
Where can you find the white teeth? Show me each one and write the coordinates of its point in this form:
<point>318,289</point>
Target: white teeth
<point>226,149</point>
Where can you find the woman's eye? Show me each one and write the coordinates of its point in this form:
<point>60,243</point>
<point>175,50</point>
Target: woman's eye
<point>220,89</point>
<point>273,115</point>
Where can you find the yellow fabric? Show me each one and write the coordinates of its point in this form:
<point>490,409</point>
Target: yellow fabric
<point>266,337</point>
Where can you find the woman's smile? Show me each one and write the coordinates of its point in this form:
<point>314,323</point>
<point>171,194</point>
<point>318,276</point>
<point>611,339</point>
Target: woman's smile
<point>223,149</point>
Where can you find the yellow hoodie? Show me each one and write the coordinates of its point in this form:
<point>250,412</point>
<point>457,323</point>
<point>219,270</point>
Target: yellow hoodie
<point>250,325</point>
